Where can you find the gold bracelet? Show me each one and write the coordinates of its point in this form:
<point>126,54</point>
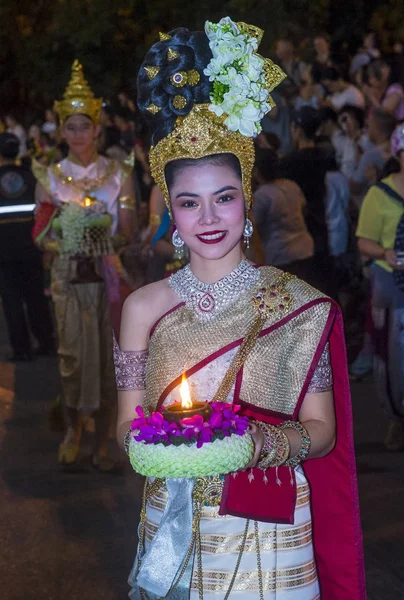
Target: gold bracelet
<point>154,220</point>
<point>283,449</point>
<point>268,451</point>
<point>126,440</point>
<point>276,448</point>
<point>127,202</point>
<point>304,445</point>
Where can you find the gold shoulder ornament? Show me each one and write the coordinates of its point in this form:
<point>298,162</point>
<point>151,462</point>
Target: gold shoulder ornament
<point>127,166</point>
<point>86,184</point>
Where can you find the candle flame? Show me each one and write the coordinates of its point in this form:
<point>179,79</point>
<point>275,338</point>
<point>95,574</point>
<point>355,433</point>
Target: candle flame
<point>186,401</point>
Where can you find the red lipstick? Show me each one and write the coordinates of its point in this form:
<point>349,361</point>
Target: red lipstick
<point>212,237</point>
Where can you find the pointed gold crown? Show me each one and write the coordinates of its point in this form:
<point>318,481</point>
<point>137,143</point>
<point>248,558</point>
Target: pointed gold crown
<point>78,98</point>
<point>202,133</point>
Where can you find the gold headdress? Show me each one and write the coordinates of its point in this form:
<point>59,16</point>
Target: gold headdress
<point>201,133</point>
<point>208,129</point>
<point>78,98</point>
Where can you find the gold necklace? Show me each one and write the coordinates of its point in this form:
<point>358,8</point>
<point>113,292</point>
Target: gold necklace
<point>86,184</point>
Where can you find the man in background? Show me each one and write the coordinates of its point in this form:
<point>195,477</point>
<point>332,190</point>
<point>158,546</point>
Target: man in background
<point>380,129</point>
<point>21,272</point>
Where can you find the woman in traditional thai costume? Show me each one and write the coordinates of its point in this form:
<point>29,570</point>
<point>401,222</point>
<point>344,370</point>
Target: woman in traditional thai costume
<point>275,530</point>
<point>84,214</point>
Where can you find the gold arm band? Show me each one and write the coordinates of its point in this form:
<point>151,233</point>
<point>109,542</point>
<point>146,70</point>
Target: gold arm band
<point>127,202</point>
<point>154,220</point>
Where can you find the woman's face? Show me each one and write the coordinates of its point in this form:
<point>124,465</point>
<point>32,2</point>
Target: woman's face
<point>80,132</point>
<point>209,209</point>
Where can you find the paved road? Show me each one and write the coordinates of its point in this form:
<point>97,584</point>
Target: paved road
<point>73,536</point>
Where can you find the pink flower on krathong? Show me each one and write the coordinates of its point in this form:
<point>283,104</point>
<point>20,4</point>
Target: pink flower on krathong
<point>197,427</point>
<point>225,418</point>
<point>155,429</point>
<point>216,419</point>
<point>140,421</point>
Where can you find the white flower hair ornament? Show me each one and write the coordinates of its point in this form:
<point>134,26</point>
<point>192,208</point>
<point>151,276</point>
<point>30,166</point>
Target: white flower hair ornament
<point>242,78</point>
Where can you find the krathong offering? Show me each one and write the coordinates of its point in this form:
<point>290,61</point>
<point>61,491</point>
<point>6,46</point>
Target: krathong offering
<point>190,439</point>
<point>84,228</point>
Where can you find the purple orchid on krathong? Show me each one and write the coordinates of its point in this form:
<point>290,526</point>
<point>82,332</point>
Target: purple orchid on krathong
<point>224,421</point>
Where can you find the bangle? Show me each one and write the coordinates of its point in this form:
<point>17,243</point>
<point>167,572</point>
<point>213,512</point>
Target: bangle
<point>154,220</point>
<point>126,440</point>
<point>268,451</point>
<point>276,449</point>
<point>127,202</point>
<point>304,445</point>
<point>283,449</point>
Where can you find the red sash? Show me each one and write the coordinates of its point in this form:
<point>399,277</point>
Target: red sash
<point>334,494</point>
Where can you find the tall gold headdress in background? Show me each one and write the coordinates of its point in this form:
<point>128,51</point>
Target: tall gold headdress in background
<point>208,129</point>
<point>78,98</point>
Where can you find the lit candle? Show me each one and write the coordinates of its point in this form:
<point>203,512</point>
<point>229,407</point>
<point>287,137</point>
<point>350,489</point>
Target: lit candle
<point>186,408</point>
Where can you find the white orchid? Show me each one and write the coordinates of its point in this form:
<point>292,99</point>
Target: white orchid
<point>237,73</point>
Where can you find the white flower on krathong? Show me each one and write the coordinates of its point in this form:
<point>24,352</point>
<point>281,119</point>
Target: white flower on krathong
<point>238,77</point>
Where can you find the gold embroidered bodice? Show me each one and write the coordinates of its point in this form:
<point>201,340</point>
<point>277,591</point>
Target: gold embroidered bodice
<point>276,368</point>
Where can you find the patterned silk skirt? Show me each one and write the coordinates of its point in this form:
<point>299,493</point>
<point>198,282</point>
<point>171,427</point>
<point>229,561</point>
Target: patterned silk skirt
<point>277,562</point>
<point>84,338</point>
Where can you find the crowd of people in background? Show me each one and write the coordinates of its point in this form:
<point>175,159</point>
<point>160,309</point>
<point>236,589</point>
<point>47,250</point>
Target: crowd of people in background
<point>321,153</point>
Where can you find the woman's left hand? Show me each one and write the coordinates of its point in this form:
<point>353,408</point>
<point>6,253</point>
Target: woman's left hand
<point>259,440</point>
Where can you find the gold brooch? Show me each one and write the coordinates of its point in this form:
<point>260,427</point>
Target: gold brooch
<point>274,298</point>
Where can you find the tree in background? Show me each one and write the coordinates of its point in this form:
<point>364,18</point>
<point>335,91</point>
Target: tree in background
<point>39,40</point>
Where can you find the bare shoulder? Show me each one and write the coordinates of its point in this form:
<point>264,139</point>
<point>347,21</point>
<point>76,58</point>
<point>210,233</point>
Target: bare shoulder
<point>142,309</point>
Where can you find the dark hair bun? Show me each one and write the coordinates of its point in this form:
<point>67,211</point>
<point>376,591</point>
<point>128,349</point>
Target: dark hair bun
<point>192,53</point>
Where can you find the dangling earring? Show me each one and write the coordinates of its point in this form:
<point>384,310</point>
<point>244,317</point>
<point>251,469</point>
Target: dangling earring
<point>177,241</point>
<point>178,244</point>
<point>248,231</point>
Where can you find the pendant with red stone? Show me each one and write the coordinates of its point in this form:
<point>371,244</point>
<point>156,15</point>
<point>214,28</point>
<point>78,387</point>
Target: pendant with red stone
<point>206,303</point>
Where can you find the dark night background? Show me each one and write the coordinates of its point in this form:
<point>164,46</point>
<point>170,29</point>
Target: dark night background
<point>39,40</point>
